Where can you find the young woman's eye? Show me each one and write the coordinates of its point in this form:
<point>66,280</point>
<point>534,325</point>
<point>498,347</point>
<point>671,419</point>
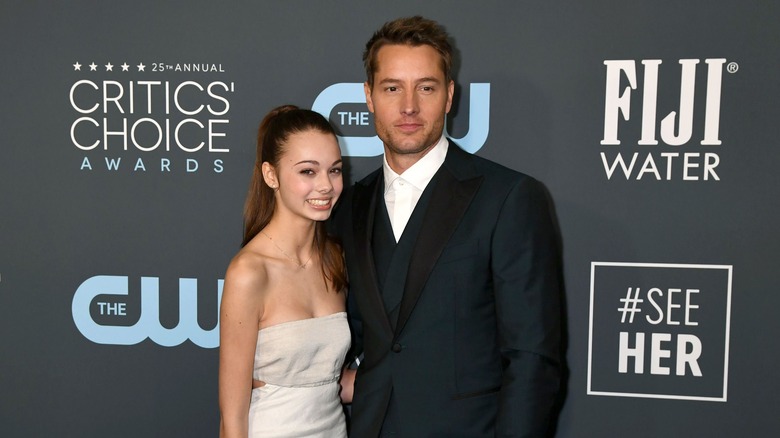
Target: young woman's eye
<point>307,172</point>
<point>336,171</point>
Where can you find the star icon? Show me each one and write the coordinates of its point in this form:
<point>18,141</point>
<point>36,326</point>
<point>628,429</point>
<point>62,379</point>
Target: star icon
<point>93,67</point>
<point>109,67</point>
<point>77,66</point>
<point>125,66</point>
<point>141,67</point>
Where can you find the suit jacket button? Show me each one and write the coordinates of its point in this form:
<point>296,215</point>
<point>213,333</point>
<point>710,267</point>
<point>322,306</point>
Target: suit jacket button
<point>397,348</point>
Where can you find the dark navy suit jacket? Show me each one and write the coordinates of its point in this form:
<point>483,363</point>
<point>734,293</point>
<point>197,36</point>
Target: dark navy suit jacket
<point>474,351</point>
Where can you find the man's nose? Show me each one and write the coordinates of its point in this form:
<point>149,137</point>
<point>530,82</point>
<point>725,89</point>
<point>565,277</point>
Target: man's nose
<point>410,104</point>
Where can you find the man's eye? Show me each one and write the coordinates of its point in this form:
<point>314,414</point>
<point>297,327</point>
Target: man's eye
<point>392,89</point>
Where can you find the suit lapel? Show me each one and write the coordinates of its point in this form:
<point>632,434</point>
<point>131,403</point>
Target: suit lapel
<point>456,186</point>
<point>363,211</point>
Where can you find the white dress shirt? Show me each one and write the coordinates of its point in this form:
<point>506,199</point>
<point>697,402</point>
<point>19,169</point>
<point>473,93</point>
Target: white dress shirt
<point>403,191</point>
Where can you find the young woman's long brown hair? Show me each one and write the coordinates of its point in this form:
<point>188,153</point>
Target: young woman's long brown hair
<point>275,129</point>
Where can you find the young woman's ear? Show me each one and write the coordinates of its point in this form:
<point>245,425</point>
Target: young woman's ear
<point>269,175</point>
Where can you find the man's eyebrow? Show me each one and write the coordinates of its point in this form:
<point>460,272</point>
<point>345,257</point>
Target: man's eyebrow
<point>417,81</point>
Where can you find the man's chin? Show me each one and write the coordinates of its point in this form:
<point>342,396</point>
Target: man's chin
<point>408,147</point>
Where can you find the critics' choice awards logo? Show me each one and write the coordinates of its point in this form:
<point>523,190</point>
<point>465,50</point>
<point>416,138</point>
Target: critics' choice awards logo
<point>344,104</point>
<point>684,145</point>
<point>659,330</point>
<point>105,312</point>
<point>137,119</point>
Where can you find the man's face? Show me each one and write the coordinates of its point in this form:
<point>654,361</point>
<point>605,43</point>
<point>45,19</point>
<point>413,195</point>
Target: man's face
<point>409,99</point>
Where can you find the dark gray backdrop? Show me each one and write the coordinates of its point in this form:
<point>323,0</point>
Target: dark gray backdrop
<point>64,227</point>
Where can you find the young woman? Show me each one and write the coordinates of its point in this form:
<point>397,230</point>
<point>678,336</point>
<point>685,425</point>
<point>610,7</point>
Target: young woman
<point>283,326</point>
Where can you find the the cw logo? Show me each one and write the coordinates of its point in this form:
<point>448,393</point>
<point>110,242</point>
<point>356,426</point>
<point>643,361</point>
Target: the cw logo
<point>336,94</point>
<point>148,325</point>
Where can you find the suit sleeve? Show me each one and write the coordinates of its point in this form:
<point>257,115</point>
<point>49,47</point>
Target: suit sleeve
<point>526,275</point>
<point>338,225</point>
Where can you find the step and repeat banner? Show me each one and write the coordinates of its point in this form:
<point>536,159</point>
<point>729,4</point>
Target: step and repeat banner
<point>127,144</point>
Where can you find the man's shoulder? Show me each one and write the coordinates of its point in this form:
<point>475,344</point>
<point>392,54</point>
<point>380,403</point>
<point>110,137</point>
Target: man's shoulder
<point>367,182</point>
<point>369,179</point>
<point>344,205</point>
<point>490,170</point>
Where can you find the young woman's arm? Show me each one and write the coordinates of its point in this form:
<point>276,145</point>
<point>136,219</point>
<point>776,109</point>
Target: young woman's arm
<point>239,316</point>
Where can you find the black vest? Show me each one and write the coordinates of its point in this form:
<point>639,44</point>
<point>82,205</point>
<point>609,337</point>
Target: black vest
<point>390,258</point>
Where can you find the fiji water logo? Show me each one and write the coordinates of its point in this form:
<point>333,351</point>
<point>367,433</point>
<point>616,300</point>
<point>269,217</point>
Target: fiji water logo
<point>685,144</point>
<point>105,297</point>
<point>345,105</point>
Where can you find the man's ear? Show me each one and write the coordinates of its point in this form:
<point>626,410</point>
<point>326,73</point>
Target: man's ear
<point>450,93</point>
<point>369,102</point>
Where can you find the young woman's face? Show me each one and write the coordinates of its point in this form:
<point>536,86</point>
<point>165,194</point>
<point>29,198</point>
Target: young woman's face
<point>308,175</point>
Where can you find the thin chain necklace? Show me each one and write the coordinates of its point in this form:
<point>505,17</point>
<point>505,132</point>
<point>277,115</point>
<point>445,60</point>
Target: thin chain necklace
<point>289,257</point>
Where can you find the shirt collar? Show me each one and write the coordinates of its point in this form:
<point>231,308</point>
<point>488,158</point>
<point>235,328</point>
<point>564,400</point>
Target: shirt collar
<point>421,172</point>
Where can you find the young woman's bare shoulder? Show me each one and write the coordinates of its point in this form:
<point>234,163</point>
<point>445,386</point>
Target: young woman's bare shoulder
<point>246,276</point>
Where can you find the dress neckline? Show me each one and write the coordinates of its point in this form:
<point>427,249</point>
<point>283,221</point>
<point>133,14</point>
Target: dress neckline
<point>303,320</point>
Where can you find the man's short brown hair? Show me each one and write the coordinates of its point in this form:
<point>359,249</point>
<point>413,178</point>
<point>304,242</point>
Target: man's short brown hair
<point>413,31</point>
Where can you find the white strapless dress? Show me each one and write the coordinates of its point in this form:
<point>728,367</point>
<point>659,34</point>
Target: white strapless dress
<point>300,362</point>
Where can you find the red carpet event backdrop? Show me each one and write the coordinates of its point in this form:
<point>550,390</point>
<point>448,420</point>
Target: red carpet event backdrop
<point>128,143</point>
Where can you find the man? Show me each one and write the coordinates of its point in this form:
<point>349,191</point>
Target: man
<point>454,293</point>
